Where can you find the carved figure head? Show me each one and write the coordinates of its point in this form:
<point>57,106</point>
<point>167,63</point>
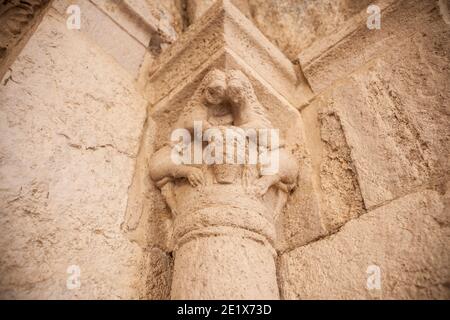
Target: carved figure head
<point>242,96</point>
<point>215,87</point>
<point>239,88</point>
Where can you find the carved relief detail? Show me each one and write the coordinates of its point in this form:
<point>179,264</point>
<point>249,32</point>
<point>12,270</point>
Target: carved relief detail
<point>224,211</point>
<point>225,101</point>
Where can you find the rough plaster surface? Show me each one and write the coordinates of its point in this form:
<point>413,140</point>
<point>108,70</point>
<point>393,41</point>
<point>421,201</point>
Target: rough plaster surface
<point>70,125</point>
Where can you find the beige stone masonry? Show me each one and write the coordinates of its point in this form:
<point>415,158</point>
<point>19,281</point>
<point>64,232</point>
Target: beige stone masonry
<point>70,127</point>
<point>343,52</point>
<point>407,240</point>
<point>127,30</point>
<point>198,220</point>
<point>179,70</point>
<point>359,207</point>
<point>224,28</point>
<point>392,115</point>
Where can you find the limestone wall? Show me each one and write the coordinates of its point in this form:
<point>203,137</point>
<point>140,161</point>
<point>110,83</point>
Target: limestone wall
<point>71,122</point>
<point>375,131</point>
<point>379,136</point>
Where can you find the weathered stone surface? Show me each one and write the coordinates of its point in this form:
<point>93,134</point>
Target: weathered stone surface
<point>143,20</point>
<point>223,30</point>
<point>341,198</point>
<point>127,50</point>
<point>394,114</point>
<point>147,220</point>
<point>17,21</point>
<point>299,223</point>
<point>196,8</point>
<point>372,150</point>
<point>174,10</point>
<point>376,136</point>
<point>408,239</point>
<point>294,25</point>
<point>155,270</point>
<point>289,24</point>
<point>70,125</point>
<point>344,52</point>
<point>302,220</point>
<point>242,268</point>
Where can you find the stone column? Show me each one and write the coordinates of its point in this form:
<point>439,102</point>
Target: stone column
<point>226,75</point>
<point>224,251</point>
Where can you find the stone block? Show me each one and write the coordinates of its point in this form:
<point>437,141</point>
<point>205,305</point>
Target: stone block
<point>294,26</point>
<point>407,239</point>
<point>155,271</point>
<point>224,29</point>
<point>70,121</point>
<point>393,120</point>
<point>127,45</point>
<point>345,51</point>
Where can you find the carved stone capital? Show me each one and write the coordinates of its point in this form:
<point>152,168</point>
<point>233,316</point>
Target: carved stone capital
<point>223,74</point>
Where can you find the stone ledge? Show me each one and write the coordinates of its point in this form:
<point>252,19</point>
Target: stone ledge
<point>342,53</point>
<point>119,43</point>
<point>222,27</point>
